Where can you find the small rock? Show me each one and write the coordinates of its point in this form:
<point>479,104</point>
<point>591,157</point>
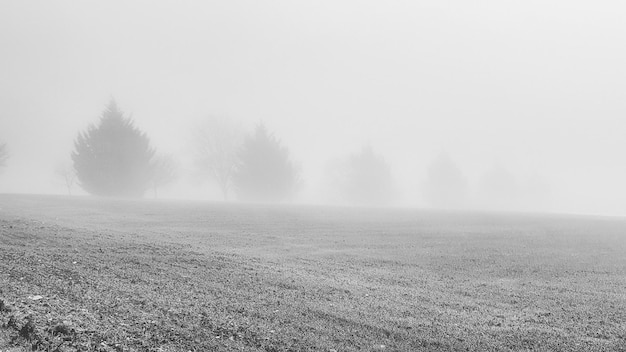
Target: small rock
<point>35,297</point>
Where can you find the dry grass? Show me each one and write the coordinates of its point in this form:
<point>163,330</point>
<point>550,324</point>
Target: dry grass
<point>84,275</point>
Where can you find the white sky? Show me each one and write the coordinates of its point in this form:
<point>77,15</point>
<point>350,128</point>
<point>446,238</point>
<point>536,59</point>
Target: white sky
<point>538,86</point>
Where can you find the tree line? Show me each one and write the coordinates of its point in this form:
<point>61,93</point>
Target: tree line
<point>113,157</point>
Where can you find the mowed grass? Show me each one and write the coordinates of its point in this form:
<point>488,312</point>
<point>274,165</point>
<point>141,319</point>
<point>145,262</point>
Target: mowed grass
<point>119,275</point>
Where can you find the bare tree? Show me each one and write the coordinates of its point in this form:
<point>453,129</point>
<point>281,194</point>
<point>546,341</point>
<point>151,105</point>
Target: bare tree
<point>165,171</point>
<point>217,142</point>
<point>65,171</point>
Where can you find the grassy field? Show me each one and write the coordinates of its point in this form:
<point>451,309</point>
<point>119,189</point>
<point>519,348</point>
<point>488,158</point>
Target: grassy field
<point>78,274</point>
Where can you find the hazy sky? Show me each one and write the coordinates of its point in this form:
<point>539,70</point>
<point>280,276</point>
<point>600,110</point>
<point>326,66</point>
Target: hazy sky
<point>537,87</point>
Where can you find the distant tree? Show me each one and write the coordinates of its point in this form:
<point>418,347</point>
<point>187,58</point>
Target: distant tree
<point>536,193</point>
<point>66,173</point>
<point>113,158</point>
<point>264,171</point>
<point>4,155</point>
<point>362,178</point>
<point>499,188</point>
<point>165,171</point>
<point>217,142</point>
<point>445,185</point>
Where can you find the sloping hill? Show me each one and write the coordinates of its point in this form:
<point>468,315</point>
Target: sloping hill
<point>116,275</point>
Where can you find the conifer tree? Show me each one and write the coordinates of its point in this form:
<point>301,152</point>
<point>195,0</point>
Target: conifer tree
<point>265,172</point>
<point>113,157</point>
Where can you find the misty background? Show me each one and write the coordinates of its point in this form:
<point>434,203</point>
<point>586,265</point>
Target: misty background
<point>524,101</point>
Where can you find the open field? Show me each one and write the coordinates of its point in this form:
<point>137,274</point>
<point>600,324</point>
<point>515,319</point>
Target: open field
<point>114,275</point>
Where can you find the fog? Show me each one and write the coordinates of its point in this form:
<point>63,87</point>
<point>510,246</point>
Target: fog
<point>526,98</point>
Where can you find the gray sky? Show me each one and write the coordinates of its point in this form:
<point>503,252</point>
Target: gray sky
<point>536,86</point>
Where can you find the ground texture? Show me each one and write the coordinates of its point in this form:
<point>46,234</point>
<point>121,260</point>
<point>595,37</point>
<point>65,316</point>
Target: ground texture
<point>78,274</point>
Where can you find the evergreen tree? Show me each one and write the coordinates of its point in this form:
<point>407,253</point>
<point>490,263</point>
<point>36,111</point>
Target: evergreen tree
<point>113,158</point>
<point>264,171</point>
<point>367,179</point>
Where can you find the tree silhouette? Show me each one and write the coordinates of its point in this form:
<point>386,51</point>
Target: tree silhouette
<point>217,142</point>
<point>4,155</point>
<point>445,186</point>
<point>113,158</point>
<point>499,188</point>
<point>165,171</point>
<point>264,171</point>
<point>67,174</point>
<point>363,178</point>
